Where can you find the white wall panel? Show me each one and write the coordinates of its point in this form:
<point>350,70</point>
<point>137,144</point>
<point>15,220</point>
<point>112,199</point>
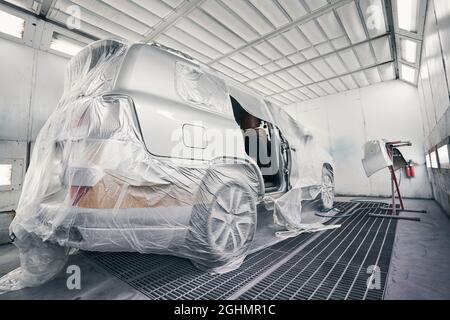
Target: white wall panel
<point>16,76</point>
<point>31,84</point>
<point>48,89</point>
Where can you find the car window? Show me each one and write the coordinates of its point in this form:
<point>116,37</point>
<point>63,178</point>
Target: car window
<point>202,89</point>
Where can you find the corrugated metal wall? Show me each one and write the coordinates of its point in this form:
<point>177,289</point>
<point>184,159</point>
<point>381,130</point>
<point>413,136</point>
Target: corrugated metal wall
<point>434,89</point>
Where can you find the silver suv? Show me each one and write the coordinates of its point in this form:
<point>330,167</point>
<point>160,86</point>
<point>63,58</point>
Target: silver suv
<point>150,151</point>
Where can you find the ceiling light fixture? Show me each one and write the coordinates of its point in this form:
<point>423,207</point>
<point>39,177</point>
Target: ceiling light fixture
<point>11,25</point>
<point>408,74</point>
<point>407,11</point>
<point>65,45</point>
<point>409,50</point>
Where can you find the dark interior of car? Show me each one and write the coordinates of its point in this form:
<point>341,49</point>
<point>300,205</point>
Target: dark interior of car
<point>257,138</point>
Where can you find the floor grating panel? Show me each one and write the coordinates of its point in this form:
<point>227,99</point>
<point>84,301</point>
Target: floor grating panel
<point>333,265</point>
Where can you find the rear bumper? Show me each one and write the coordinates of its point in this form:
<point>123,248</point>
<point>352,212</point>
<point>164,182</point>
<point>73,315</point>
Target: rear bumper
<point>145,230</point>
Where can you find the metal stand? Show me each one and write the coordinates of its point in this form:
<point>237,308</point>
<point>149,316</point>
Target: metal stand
<point>396,189</point>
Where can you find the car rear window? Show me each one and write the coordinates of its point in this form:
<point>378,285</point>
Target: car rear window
<point>202,89</point>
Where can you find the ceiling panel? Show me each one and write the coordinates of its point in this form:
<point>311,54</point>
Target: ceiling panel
<point>198,32</point>
<point>310,53</point>
<point>114,15</point>
<point>172,43</point>
<point>324,48</point>
<point>288,50</point>
<point>283,45</point>
<point>307,92</point>
<point>364,54</point>
<point>286,76</point>
<point>192,42</point>
<point>158,7</point>
<point>271,66</point>
<point>293,8</point>
<point>297,57</point>
<point>361,79</point>
<point>284,62</point>
<point>230,20</point>
<point>336,64</point>
<point>372,75</point>
<point>323,68</point>
<point>311,72</point>
<point>353,25</point>
<point>134,10</point>
<point>280,82</point>
<point>350,60</point>
<point>271,11</point>
<point>338,84</point>
<point>312,32</point>
<point>349,82</point>
<point>382,49</point>
<point>340,43</point>
<point>315,4</point>
<point>247,12</point>
<point>317,90</point>
<point>210,24</point>
<point>235,66</point>
<point>244,60</point>
<point>387,72</point>
<point>256,56</point>
<point>300,75</point>
<point>269,84</point>
<point>268,50</point>
<point>297,39</point>
<point>327,87</point>
<point>330,25</point>
<point>374,16</point>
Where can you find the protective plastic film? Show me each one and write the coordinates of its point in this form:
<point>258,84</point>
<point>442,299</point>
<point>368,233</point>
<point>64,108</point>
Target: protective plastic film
<point>93,185</point>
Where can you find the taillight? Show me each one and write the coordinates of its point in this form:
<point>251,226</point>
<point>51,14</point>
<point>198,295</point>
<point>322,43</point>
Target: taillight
<point>77,192</point>
<point>104,117</point>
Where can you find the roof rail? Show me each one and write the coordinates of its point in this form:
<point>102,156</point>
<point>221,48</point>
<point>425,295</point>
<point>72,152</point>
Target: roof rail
<point>172,50</point>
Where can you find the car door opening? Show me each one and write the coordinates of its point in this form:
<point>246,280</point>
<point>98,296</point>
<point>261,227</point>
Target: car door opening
<point>263,143</point>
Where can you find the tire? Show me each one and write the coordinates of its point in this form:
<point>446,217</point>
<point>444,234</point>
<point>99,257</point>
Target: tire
<point>222,225</point>
<point>327,189</point>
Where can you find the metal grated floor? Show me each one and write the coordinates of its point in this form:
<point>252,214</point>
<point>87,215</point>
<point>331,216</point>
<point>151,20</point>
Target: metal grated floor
<point>329,265</point>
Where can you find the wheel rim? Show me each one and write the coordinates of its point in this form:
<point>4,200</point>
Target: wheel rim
<point>327,191</point>
<point>231,220</point>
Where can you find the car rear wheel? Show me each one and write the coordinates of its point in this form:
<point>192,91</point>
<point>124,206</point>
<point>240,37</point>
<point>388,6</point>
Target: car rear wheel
<point>222,226</point>
<point>327,189</point>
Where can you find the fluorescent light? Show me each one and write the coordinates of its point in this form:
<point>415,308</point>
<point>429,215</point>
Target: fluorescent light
<point>409,50</point>
<point>408,73</point>
<point>434,163</point>
<point>65,45</point>
<point>427,159</point>
<point>5,174</point>
<point>407,11</point>
<point>444,160</point>
<point>11,25</point>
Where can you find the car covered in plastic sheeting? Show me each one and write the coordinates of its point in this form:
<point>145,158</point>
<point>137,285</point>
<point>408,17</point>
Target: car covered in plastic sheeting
<point>150,151</point>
